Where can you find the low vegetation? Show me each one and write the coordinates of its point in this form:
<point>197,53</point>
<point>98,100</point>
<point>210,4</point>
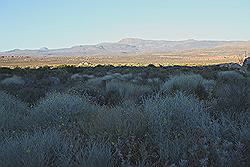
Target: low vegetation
<point>108,116</point>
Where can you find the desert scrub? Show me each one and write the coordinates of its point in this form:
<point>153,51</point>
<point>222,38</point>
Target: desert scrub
<point>191,84</point>
<point>43,148</point>
<point>13,113</point>
<point>177,123</point>
<point>122,121</point>
<point>228,76</point>
<point>236,129</point>
<point>232,108</point>
<point>14,80</point>
<point>60,110</point>
<point>30,95</point>
<point>95,154</point>
<point>100,81</point>
<point>154,84</point>
<point>94,92</point>
<point>97,82</point>
<point>232,98</point>
<point>126,89</point>
<point>81,87</point>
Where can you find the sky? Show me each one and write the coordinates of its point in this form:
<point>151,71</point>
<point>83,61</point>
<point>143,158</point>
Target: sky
<point>30,24</point>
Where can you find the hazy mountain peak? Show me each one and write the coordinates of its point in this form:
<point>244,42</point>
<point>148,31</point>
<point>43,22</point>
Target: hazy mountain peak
<point>128,45</point>
<point>130,40</point>
<point>191,40</point>
<point>43,49</point>
<point>14,50</point>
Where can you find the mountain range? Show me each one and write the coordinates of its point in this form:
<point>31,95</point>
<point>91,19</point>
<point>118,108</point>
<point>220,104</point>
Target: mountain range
<point>128,46</point>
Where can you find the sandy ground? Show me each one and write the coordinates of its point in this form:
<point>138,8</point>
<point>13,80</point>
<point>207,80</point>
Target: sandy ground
<point>197,57</point>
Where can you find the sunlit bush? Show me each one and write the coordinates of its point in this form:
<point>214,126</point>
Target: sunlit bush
<point>177,123</point>
<point>59,109</point>
<point>190,84</point>
<point>126,89</point>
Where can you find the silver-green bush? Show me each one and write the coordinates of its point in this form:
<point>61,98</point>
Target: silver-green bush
<point>191,84</point>
<point>13,113</point>
<point>41,149</point>
<point>60,109</point>
<point>229,76</point>
<point>122,121</point>
<point>126,89</point>
<point>232,98</point>
<point>177,123</point>
<point>95,155</point>
<point>14,80</point>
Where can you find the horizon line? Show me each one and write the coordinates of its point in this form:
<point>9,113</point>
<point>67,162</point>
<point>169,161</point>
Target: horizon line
<point>117,41</point>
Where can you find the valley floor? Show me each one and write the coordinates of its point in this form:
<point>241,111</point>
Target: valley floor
<point>136,60</point>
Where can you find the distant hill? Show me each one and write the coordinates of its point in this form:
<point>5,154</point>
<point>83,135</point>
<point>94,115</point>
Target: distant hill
<point>128,46</point>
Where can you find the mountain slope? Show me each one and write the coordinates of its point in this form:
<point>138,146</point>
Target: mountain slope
<point>128,46</point>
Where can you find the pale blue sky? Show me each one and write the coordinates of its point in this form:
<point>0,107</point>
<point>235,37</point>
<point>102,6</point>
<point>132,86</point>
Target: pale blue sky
<point>64,23</point>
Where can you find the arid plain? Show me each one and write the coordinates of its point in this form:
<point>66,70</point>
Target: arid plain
<point>134,52</point>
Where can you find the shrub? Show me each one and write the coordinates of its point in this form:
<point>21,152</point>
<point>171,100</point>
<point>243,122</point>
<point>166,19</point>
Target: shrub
<point>177,123</point>
<point>13,113</point>
<point>30,95</point>
<point>94,155</point>
<point>190,84</point>
<point>126,77</point>
<point>84,89</point>
<point>95,82</point>
<point>236,129</point>
<point>100,81</point>
<point>47,148</point>
<point>81,87</point>
<point>243,123</point>
<point>127,90</point>
<point>231,150</point>
<point>231,108</point>
<point>14,80</point>
<point>61,109</point>
<point>229,76</point>
<point>111,98</point>
<point>233,98</point>
<point>3,75</point>
<point>122,121</point>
